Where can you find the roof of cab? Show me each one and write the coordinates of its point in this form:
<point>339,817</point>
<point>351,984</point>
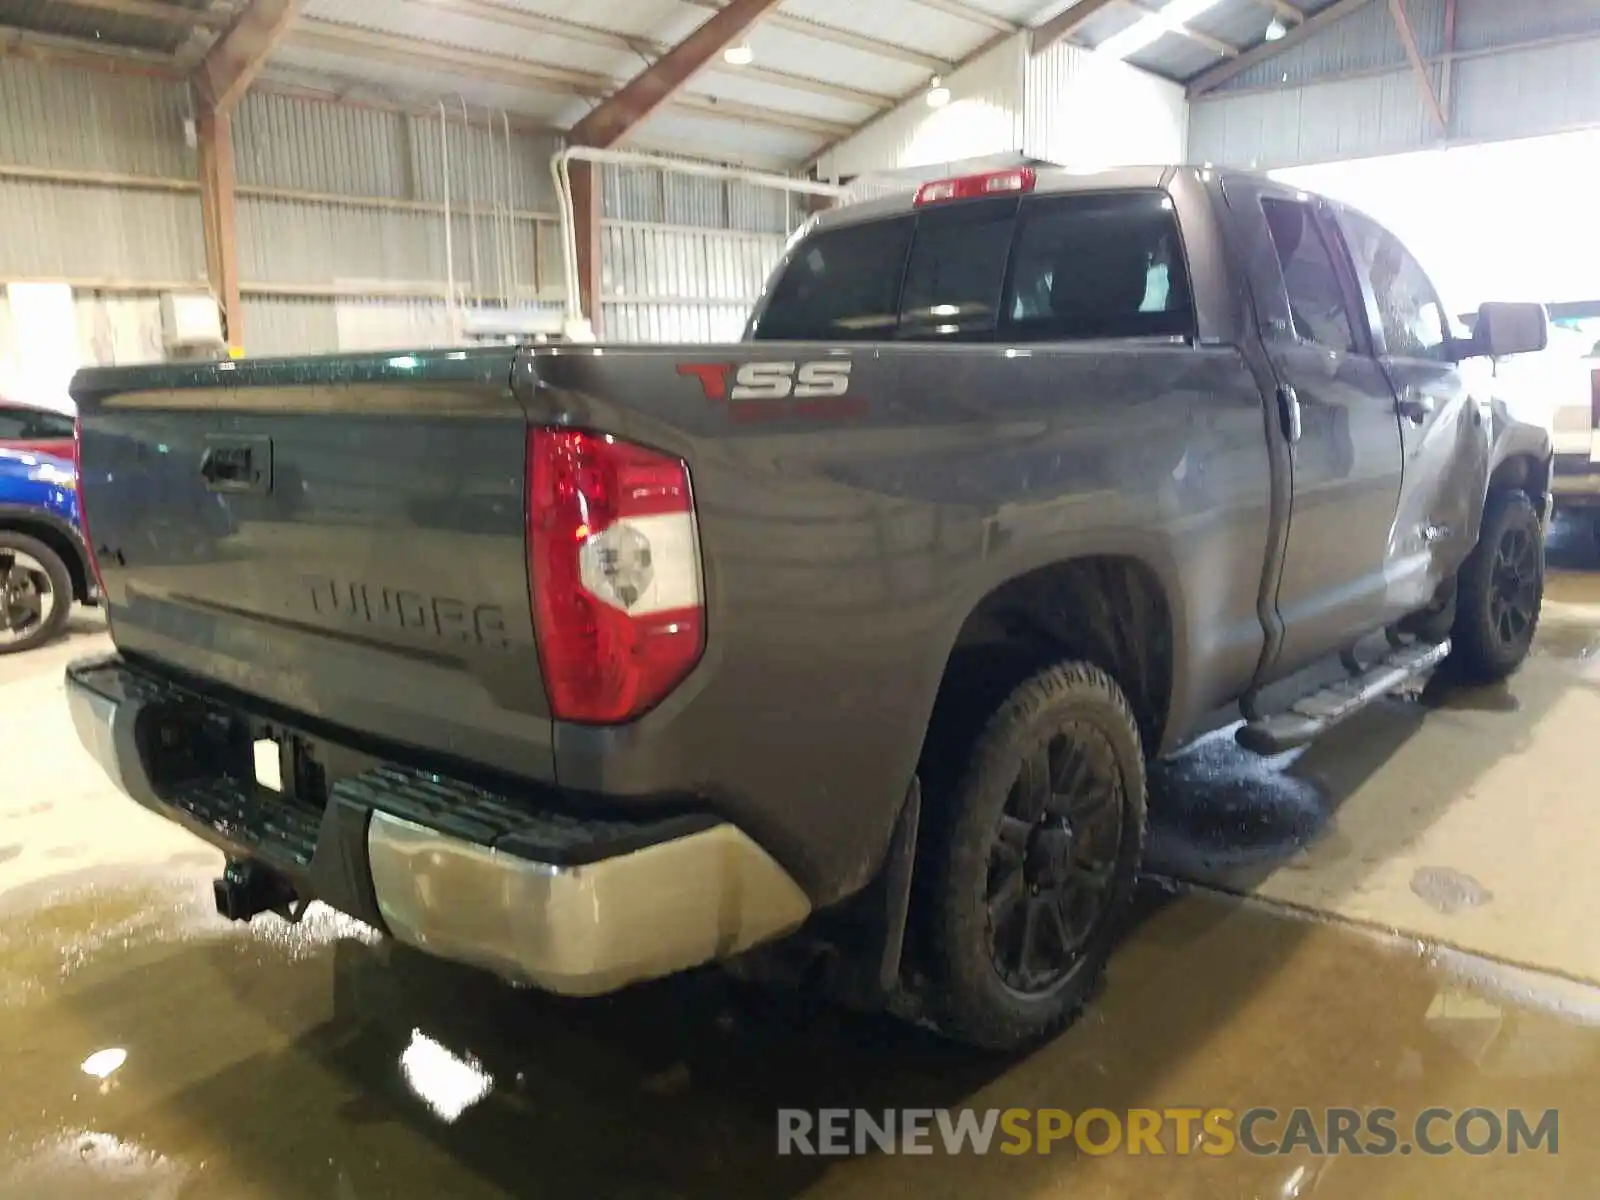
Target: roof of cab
<point>1051,180</point>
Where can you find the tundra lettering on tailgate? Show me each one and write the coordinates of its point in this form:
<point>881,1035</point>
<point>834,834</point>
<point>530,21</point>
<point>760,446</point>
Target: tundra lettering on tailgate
<point>439,616</point>
<point>766,390</point>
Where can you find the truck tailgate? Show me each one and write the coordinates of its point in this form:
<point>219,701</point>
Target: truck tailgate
<point>344,538</point>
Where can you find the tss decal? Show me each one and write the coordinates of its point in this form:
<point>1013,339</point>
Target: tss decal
<point>771,380</point>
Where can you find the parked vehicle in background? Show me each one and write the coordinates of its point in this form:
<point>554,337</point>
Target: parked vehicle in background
<point>33,427</point>
<point>44,564</point>
<point>850,640</point>
<point>1566,381</point>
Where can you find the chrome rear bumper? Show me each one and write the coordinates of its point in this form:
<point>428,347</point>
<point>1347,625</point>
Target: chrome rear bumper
<point>570,905</point>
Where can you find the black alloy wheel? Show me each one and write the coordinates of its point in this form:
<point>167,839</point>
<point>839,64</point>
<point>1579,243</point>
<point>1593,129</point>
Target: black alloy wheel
<point>1516,585</point>
<point>1053,860</point>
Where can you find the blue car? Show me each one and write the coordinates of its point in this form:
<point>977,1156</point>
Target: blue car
<point>44,562</point>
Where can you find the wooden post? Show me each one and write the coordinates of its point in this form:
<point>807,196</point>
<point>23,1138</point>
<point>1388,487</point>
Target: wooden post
<point>586,233</point>
<point>217,218</point>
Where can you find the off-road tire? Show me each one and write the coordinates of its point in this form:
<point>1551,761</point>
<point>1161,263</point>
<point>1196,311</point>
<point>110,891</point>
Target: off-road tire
<point>1482,652</point>
<point>969,1000</point>
<point>60,584</point>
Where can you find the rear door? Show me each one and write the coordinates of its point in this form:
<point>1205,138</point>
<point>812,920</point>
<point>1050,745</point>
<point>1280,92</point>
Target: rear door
<point>1444,428</point>
<point>1339,411</point>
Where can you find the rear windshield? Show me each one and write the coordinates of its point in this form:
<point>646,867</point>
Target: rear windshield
<point>1047,268</point>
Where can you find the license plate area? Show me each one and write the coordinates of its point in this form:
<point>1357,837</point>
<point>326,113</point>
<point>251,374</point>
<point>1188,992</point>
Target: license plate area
<point>267,754</point>
<point>285,765</point>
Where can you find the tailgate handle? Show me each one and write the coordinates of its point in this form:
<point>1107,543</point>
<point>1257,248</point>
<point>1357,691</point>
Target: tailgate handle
<point>237,465</point>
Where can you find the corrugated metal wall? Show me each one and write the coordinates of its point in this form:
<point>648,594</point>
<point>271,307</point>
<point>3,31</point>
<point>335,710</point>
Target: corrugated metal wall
<point>984,117</point>
<point>71,143</point>
<point>683,257</point>
<point>341,223</point>
<point>1085,111</point>
<point>1519,70</point>
<point>341,220</point>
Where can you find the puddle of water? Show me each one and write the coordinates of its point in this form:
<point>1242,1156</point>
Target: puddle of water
<point>264,1062</point>
<point>1448,890</point>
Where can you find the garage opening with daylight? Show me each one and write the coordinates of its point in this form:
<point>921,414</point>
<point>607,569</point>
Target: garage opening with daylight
<point>798,597</point>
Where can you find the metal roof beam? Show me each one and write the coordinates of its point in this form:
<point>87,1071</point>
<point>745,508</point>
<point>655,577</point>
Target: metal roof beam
<point>658,83</point>
<point>1408,39</point>
<point>1211,80</point>
<point>1064,25</point>
<point>238,55</point>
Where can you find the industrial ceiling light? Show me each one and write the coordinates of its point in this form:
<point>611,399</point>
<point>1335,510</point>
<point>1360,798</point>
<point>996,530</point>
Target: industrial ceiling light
<point>740,55</point>
<point>1148,30</point>
<point>1276,30</point>
<point>938,94</point>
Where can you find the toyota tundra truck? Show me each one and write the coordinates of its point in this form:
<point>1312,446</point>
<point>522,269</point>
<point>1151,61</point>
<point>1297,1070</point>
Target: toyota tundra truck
<point>592,664</point>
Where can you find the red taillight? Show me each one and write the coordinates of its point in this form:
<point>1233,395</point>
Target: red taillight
<point>971,187</point>
<point>83,511</point>
<point>614,567</point>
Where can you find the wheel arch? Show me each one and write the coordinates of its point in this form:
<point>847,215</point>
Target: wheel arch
<point>57,534</point>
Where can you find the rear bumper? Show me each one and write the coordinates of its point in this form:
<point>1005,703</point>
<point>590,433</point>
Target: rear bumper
<point>1575,481</point>
<point>575,905</point>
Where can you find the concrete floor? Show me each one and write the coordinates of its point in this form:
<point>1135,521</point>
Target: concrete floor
<point>1394,917</point>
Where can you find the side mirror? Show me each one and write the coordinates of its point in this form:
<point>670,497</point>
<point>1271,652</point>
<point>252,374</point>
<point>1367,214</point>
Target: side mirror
<point>1504,329</point>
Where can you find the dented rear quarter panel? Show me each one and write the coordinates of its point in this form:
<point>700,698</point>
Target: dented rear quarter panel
<point>845,543</point>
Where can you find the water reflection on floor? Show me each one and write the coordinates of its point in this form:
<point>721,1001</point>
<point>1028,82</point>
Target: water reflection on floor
<point>149,1050</point>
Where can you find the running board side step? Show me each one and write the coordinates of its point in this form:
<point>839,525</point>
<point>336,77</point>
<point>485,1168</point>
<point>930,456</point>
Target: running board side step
<point>1311,717</point>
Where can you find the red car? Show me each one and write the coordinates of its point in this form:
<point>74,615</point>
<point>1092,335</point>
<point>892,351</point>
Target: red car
<point>27,427</point>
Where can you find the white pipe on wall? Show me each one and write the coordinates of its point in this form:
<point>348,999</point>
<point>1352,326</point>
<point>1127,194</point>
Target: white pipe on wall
<point>561,173</point>
<point>449,245</point>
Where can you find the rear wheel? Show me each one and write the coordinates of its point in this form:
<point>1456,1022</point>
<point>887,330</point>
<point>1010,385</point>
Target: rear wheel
<point>1033,857</point>
<point>1501,592</point>
<point>35,592</point>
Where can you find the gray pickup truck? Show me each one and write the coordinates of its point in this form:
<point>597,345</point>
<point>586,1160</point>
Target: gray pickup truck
<point>591,664</point>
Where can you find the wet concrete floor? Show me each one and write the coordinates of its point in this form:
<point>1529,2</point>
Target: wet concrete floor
<point>1329,947</point>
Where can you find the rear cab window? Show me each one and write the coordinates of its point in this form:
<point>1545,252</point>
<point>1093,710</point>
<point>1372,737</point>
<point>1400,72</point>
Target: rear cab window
<point>1050,267</point>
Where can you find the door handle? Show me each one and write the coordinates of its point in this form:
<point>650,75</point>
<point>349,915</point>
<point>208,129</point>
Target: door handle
<point>1289,413</point>
<point>237,465</point>
<point>1415,407</point>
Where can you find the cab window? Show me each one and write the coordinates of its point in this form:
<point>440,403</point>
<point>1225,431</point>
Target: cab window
<point>1415,324</point>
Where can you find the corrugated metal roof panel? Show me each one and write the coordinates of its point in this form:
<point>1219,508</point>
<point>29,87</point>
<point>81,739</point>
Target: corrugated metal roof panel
<point>901,22</point>
<point>1175,57</point>
<point>730,85</point>
<point>356,77</point>
<point>448,28</point>
<point>641,18</point>
<point>96,25</point>
<point>725,141</point>
<point>784,49</point>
